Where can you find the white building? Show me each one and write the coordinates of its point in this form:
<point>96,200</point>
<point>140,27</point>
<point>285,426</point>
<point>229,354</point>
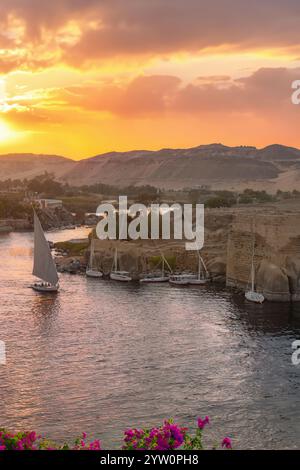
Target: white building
<point>50,203</point>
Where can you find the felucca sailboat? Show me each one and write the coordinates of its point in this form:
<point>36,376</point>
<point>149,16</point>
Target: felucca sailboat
<point>161,277</point>
<point>115,275</point>
<point>203,274</point>
<point>91,271</point>
<point>43,266</point>
<point>253,295</point>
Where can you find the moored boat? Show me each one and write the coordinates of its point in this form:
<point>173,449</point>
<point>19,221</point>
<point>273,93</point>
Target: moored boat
<point>203,275</point>
<point>252,295</point>
<point>117,275</point>
<point>91,270</point>
<point>156,277</point>
<point>181,279</point>
<point>122,276</point>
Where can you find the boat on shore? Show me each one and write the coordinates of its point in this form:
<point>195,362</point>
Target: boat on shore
<point>117,275</point>
<point>91,270</point>
<point>181,279</point>
<point>157,277</point>
<point>44,266</point>
<point>203,275</point>
<point>252,295</point>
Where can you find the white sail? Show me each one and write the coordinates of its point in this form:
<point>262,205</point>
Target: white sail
<point>44,267</point>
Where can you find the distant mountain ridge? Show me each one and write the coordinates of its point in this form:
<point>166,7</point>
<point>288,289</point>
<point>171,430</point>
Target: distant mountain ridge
<point>219,166</point>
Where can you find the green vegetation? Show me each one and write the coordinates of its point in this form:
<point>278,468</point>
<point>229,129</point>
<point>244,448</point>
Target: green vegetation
<point>12,207</point>
<point>154,261</point>
<point>73,249</point>
<point>85,199</point>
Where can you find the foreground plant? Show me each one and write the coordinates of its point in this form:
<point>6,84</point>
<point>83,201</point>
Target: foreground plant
<point>169,436</point>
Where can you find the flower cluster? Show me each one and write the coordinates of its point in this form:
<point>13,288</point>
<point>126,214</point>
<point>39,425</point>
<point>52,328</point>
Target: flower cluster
<point>31,441</point>
<point>18,441</point>
<point>169,436</point>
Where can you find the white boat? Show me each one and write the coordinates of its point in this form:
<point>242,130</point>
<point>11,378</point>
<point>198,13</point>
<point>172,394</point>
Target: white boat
<point>91,271</point>
<point>253,295</point>
<point>182,279</point>
<point>203,274</point>
<point>116,275</point>
<point>44,266</point>
<point>156,277</point>
<point>122,276</point>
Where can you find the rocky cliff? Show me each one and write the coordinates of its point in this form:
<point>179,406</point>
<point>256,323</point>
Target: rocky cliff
<point>277,254</point>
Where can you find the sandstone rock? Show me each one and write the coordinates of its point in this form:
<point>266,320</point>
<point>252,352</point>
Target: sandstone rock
<point>293,272</point>
<point>217,267</point>
<point>273,282</point>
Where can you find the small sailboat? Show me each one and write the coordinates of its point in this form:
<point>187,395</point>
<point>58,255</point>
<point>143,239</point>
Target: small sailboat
<point>44,266</point>
<point>181,279</point>
<point>115,275</point>
<point>253,295</point>
<point>159,277</point>
<point>203,274</point>
<point>91,271</point>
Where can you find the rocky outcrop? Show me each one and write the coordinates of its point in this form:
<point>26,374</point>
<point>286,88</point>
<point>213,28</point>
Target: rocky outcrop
<point>55,218</point>
<point>217,268</point>
<point>277,246</point>
<point>273,282</point>
<point>293,273</point>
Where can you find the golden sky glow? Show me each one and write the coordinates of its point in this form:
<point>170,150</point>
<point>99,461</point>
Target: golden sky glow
<point>82,77</point>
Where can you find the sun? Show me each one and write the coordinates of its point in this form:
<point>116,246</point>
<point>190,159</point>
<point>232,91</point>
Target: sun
<point>6,132</point>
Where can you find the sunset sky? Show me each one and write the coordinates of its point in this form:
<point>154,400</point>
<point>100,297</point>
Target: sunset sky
<point>82,77</point>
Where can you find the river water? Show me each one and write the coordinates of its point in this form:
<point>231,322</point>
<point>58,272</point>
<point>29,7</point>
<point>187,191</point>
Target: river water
<point>101,356</point>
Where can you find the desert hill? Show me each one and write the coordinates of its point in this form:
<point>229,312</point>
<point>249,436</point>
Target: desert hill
<point>271,168</point>
<point>28,165</point>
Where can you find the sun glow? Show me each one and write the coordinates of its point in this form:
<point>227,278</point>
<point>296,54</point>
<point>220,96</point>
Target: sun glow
<point>6,132</point>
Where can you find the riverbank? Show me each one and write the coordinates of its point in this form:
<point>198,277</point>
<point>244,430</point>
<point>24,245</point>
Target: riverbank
<point>230,236</point>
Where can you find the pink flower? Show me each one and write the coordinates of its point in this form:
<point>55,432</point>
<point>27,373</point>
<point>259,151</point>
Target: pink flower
<point>84,435</point>
<point>226,443</point>
<point>203,422</point>
<point>2,447</point>
<point>32,436</point>
<point>95,445</point>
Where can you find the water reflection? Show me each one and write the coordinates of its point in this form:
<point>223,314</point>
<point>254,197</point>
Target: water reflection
<point>45,310</point>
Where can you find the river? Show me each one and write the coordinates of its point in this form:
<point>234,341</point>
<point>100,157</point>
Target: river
<point>101,356</point>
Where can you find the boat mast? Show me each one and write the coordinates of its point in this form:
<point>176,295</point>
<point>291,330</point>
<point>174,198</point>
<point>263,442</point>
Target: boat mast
<point>252,262</point>
<point>91,254</point>
<point>199,266</point>
<point>116,260</point>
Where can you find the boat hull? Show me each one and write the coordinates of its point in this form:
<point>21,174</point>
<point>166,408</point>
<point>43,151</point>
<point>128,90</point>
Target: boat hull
<point>178,283</point>
<point>94,274</point>
<point>44,289</point>
<point>254,297</point>
<point>198,282</point>
<point>120,277</point>
<point>152,280</point>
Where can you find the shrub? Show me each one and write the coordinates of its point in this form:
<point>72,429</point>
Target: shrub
<point>169,436</point>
